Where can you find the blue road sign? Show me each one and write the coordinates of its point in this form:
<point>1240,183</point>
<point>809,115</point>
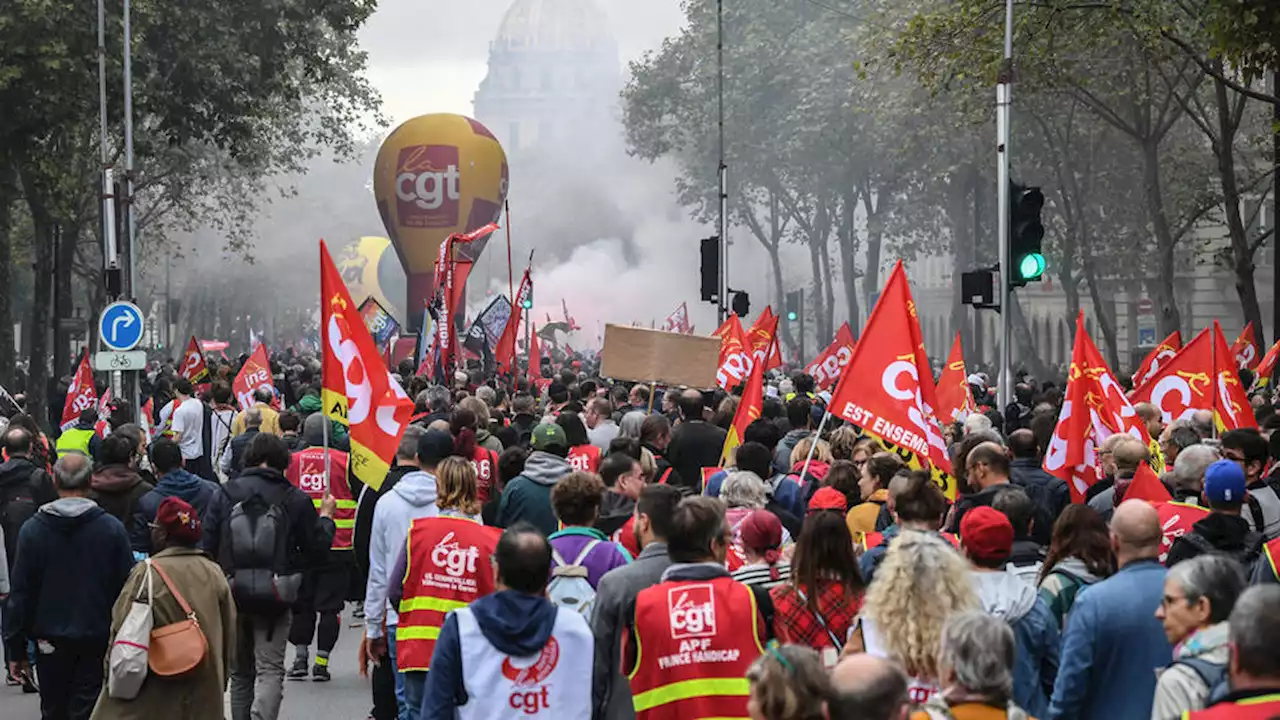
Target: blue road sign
<point>1146,336</point>
<point>121,326</point>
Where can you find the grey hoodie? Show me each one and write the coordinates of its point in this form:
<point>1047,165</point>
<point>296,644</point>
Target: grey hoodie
<point>1004,595</point>
<point>1035,633</point>
<point>545,468</point>
<point>413,497</point>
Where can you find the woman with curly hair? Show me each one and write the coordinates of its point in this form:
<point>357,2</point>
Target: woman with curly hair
<point>1079,555</point>
<point>921,583</point>
<point>788,682</point>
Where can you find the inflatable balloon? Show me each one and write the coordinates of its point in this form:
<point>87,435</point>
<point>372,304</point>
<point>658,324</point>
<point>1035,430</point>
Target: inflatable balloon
<point>370,267</point>
<point>437,175</point>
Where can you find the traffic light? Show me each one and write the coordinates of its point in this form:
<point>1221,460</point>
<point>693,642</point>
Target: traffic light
<point>795,303</point>
<point>1026,235</point>
<point>741,303</point>
<point>527,302</point>
<point>710,248</point>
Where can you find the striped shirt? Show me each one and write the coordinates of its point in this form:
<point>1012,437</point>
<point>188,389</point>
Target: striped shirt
<point>760,575</point>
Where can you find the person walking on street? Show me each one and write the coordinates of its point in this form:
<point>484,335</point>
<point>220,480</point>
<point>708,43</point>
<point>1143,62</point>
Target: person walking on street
<point>528,496</point>
<point>976,657</point>
<point>262,398</point>
<point>576,500</point>
<point>265,577</point>
<point>234,456</point>
<point>513,652</point>
<point>188,427</point>
<point>1199,595</point>
<point>1223,530</point>
<point>117,486</point>
<point>694,443</point>
<point>176,482</point>
<point>819,603</point>
<point>601,428</point>
<point>1079,555</point>
<point>25,486</point>
<point>788,682</point>
<point>1049,494</point>
<point>82,438</point>
<point>1248,449</point>
<point>72,560</point>
<point>197,695</point>
<point>1113,642</point>
<point>1254,666</point>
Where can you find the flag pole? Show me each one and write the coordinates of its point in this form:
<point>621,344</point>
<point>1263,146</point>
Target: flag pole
<point>511,278</point>
<point>822,424</point>
<point>1213,372</point>
<point>324,413</point>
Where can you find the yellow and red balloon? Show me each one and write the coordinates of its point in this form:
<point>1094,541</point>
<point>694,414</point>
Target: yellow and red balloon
<point>437,175</point>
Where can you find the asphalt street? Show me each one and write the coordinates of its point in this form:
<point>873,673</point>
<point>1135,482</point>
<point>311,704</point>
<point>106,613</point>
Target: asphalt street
<point>346,697</point>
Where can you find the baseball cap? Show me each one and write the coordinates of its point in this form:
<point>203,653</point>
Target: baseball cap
<point>547,435</point>
<point>1224,482</point>
<point>987,533</point>
<point>434,446</point>
<point>828,498</point>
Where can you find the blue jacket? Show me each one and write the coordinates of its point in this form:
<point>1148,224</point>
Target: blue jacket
<point>177,483</point>
<point>1112,647</point>
<point>515,623</point>
<point>73,559</point>
<point>1035,632</point>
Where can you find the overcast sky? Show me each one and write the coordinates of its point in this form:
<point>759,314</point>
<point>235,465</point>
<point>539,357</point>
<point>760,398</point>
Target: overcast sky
<point>430,55</point>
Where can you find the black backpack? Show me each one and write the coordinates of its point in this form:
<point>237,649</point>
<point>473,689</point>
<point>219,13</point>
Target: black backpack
<point>254,551</point>
<point>18,504</point>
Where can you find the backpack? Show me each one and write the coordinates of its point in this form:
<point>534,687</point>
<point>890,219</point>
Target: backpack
<point>1214,676</point>
<point>569,587</point>
<point>18,505</point>
<point>1247,557</point>
<point>254,550</point>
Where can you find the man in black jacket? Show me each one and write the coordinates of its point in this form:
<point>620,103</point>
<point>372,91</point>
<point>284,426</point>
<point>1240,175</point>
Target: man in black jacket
<point>1050,494</point>
<point>695,443</point>
<point>261,636</point>
<point>72,560</point>
<point>1223,530</point>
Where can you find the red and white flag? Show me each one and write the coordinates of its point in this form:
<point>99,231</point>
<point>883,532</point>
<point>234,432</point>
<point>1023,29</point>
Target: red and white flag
<point>193,366</point>
<point>678,320</point>
<point>1094,409</point>
<point>505,352</point>
<point>887,389</point>
<point>535,356</point>
<point>356,389</point>
<point>255,374</point>
<point>760,340</point>
<point>1267,368</point>
<point>826,368</point>
<point>1202,376</point>
<point>735,356</point>
<point>1245,350</point>
<point>81,394</point>
<point>1155,359</point>
<point>955,399</point>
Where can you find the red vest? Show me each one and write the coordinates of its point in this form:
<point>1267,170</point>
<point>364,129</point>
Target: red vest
<point>306,472</point>
<point>448,567</point>
<point>485,463</point>
<point>1262,707</point>
<point>585,458</point>
<point>695,641</point>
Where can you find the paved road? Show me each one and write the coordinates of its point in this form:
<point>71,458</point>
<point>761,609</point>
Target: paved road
<point>346,697</point>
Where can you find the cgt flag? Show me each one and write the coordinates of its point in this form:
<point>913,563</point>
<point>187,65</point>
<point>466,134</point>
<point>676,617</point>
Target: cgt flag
<point>759,340</point>
<point>1202,376</point>
<point>1245,350</point>
<point>898,410</point>
<point>749,410</point>
<point>193,367</point>
<point>735,356</point>
<point>1156,359</point>
<point>678,321</point>
<point>255,374</point>
<point>1094,409</point>
<point>505,351</point>
<point>826,368</point>
<point>1266,368</point>
<point>357,390</point>
<point>955,399</point>
<point>81,395</point>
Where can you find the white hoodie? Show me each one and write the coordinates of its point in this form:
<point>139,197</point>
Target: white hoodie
<point>412,498</point>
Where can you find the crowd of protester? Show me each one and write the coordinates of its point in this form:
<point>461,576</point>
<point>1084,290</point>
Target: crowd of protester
<point>573,548</point>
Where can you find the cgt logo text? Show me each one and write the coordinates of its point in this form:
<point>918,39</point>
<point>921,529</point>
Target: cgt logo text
<point>692,611</point>
<point>453,559</point>
<point>427,186</point>
<point>531,702</point>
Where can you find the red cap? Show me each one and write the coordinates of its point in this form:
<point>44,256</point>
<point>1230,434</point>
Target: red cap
<point>828,498</point>
<point>180,521</point>
<point>986,533</point>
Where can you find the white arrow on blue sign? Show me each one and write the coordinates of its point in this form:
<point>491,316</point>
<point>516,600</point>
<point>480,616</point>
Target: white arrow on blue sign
<point>120,326</point>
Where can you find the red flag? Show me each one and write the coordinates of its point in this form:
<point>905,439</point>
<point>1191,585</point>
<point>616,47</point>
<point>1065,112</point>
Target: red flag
<point>505,352</point>
<point>1162,354</point>
<point>678,320</point>
<point>955,399</point>
<point>898,409</point>
<point>735,355</point>
<point>103,426</point>
<point>535,355</point>
<point>1176,520</point>
<point>1094,409</point>
<point>1186,384</point>
<point>749,409</point>
<point>1146,485</point>
<point>255,374</point>
<point>1267,368</point>
<point>826,368</point>
<point>760,340</point>
<point>193,366</point>
<point>1245,350</point>
<point>81,394</point>
<point>357,390</point>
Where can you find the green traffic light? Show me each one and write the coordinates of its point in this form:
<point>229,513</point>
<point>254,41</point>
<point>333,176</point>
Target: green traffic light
<point>527,304</point>
<point>791,316</point>
<point>1031,266</point>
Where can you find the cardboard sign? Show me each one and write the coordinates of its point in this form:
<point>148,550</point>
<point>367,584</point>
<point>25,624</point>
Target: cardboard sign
<point>642,355</point>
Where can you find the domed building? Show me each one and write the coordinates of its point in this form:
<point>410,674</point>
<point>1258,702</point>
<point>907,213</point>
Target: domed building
<point>553,77</point>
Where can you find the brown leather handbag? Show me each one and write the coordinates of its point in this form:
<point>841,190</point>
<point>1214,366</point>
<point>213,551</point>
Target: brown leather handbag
<point>177,648</point>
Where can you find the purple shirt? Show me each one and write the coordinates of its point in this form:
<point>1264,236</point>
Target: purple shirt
<point>606,555</point>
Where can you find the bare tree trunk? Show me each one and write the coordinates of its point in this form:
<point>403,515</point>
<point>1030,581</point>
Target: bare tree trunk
<point>848,239</point>
<point>1167,311</point>
<point>8,197</point>
<point>1104,310</point>
<point>875,242</point>
<point>38,389</point>
<point>1241,252</point>
<point>829,297</point>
